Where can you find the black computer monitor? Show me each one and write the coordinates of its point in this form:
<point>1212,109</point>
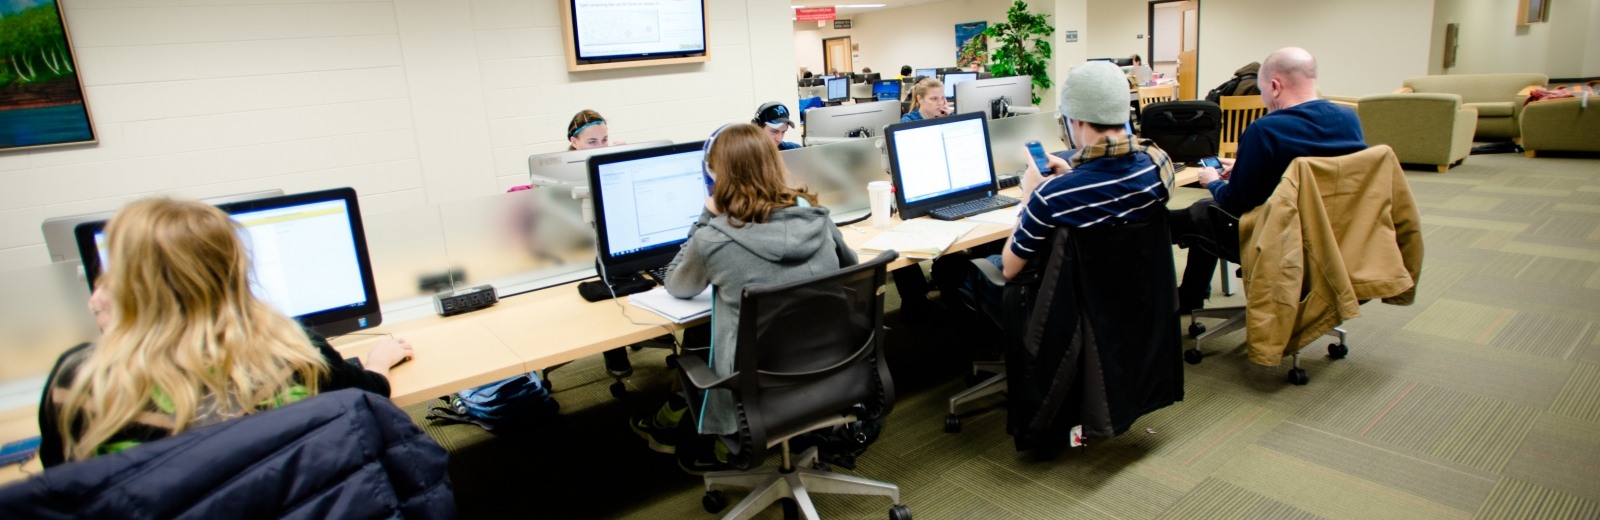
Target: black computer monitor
<point>886,90</point>
<point>956,78</point>
<point>870,77</point>
<point>308,257</point>
<point>940,161</point>
<point>645,201</point>
<point>948,70</point>
<point>838,89</point>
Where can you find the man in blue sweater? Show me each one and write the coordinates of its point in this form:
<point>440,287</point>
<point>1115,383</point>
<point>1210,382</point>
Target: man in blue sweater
<point>1297,124</point>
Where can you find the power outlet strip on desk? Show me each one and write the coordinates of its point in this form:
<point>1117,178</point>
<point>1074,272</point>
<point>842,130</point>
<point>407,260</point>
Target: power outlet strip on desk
<point>464,300</point>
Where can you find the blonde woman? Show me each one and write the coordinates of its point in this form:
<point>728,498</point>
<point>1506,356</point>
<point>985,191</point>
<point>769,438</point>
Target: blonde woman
<point>927,101</point>
<point>184,343</point>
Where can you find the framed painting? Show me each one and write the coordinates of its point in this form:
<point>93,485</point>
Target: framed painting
<point>41,98</point>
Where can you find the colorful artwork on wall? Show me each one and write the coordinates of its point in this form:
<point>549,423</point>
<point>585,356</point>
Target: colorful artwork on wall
<point>41,98</point>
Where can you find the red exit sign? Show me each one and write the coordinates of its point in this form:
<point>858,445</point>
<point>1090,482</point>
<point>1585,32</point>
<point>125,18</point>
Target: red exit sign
<point>812,14</point>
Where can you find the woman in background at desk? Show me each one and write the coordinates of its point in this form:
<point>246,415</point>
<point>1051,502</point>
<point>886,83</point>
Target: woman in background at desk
<point>754,229</point>
<point>927,101</point>
<point>185,343</point>
<point>589,130</point>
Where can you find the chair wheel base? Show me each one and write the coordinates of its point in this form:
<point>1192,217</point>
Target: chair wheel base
<point>952,424</point>
<point>1298,376</point>
<point>900,512</point>
<point>619,390</point>
<point>1196,329</point>
<point>672,361</point>
<point>1193,356</point>
<point>1338,350</point>
<point>714,501</point>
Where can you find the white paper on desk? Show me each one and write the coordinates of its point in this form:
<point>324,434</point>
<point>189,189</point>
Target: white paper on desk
<point>912,245</point>
<point>1002,216</point>
<point>671,307</point>
<point>928,226</point>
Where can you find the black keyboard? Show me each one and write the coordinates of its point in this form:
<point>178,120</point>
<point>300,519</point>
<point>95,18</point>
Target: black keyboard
<point>973,207</point>
<point>659,274</point>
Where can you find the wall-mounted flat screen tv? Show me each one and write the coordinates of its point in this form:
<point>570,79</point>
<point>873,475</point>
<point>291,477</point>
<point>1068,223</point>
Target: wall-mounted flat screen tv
<point>613,31</point>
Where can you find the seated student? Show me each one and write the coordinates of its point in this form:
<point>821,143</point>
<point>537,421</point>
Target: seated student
<point>927,101</point>
<point>905,71</point>
<point>1141,73</point>
<point>773,118</point>
<point>185,343</point>
<point>1111,178</point>
<point>588,130</point>
<point>754,229</point>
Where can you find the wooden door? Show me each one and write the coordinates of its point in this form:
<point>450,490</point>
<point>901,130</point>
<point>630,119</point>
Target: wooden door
<point>836,54</point>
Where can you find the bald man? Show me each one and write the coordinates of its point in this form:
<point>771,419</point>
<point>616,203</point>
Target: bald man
<point>1297,124</point>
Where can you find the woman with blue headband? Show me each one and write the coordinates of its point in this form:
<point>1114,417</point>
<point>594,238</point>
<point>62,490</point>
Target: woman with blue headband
<point>588,130</point>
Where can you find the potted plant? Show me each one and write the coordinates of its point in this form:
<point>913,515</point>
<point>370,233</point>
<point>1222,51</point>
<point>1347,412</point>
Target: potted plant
<point>1020,46</point>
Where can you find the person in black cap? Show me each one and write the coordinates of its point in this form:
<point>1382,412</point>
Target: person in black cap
<point>773,118</point>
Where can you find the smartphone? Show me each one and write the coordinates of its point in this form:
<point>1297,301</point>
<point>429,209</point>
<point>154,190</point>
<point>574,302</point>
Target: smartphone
<point>18,452</point>
<point>1212,162</point>
<point>1037,151</point>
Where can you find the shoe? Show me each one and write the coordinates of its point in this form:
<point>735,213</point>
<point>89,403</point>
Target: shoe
<point>716,460</point>
<point>660,429</point>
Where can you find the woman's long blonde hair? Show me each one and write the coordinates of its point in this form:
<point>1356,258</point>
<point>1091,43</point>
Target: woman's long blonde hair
<point>921,89</point>
<point>184,329</point>
<point>750,175</point>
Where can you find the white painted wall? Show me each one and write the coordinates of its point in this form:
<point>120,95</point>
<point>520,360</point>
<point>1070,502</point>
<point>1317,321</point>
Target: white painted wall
<point>1119,25</point>
<point>1568,46</point>
<point>808,48</point>
<point>409,101</point>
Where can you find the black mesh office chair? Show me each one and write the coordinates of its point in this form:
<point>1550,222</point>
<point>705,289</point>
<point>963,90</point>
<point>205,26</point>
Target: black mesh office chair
<point>809,356</point>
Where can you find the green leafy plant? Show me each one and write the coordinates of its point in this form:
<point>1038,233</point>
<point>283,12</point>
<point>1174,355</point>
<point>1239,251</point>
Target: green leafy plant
<point>1020,46</point>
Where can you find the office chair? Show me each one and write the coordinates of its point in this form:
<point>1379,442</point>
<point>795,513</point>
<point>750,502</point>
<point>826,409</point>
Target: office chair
<point>1348,190</point>
<point>809,356</point>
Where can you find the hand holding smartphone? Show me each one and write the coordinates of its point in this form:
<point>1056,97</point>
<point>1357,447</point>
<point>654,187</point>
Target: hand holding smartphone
<point>1036,151</point>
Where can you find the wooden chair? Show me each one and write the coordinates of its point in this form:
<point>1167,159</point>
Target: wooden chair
<point>1148,95</point>
<point>1237,113</point>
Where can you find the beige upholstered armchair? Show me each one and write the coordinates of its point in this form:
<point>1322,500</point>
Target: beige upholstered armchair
<point>1497,97</point>
<point>1422,128</point>
<point>1561,125</point>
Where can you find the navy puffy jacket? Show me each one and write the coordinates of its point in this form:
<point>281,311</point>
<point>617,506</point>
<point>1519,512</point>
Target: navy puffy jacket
<point>344,454</point>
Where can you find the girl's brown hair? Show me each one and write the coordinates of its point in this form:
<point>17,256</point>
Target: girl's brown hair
<point>583,117</point>
<point>750,176</point>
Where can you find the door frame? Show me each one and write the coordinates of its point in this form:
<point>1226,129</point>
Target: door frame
<point>1150,42</point>
<point>827,60</point>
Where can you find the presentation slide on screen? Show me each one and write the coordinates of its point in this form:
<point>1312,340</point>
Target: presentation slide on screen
<point>651,202</point>
<point>611,28</point>
<point>939,159</point>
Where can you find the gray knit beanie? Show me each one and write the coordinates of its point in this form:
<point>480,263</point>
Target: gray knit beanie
<point>1096,92</point>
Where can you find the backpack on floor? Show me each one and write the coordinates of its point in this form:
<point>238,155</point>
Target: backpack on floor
<point>516,401</point>
<point>840,445</point>
<point>1186,130</point>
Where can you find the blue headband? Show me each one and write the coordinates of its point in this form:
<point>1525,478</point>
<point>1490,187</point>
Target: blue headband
<point>580,129</point>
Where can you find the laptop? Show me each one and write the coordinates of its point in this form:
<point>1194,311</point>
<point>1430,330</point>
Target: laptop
<point>942,167</point>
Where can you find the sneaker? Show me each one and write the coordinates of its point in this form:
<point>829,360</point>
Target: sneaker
<point>659,429</point>
<point>702,463</point>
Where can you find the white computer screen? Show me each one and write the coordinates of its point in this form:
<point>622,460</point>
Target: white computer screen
<point>651,202</point>
<point>608,28</point>
<point>955,78</point>
<point>302,258</point>
<point>838,88</point>
<point>927,73</point>
<point>942,159</point>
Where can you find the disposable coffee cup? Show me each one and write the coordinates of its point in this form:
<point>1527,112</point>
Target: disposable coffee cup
<point>881,195</point>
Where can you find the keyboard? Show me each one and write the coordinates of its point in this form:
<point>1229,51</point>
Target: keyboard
<point>972,207</point>
<point>659,274</point>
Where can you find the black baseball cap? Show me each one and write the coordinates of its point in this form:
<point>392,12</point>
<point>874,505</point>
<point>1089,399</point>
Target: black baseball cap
<point>772,113</point>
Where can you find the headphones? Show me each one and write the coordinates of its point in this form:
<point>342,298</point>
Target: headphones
<point>763,108</point>
<point>705,156</point>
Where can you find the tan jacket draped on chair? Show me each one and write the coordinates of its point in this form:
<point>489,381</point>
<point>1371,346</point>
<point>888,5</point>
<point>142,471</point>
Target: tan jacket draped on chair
<point>1336,232</point>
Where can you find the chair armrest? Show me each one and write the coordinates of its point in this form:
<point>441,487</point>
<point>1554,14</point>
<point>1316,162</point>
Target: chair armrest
<point>990,273</point>
<point>701,375</point>
<point>1528,90</point>
<point>1403,90</point>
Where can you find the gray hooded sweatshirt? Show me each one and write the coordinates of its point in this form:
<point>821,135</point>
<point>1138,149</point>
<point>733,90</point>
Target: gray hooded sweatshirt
<point>794,243</point>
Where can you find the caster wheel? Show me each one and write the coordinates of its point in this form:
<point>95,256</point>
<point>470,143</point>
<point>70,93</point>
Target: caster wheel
<point>900,512</point>
<point>952,424</point>
<point>1338,350</point>
<point>791,509</point>
<point>1196,329</point>
<point>619,390</point>
<point>672,361</point>
<point>714,501</point>
<point>636,348</point>
<point>1298,376</point>
<point>1193,356</point>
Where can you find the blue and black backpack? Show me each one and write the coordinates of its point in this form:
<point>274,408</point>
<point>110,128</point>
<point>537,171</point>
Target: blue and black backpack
<point>507,403</point>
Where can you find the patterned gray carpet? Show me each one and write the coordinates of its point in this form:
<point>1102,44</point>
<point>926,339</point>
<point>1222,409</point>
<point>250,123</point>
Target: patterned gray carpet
<point>1480,401</point>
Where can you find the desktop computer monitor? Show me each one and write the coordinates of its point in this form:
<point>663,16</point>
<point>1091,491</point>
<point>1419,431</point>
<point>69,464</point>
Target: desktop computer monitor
<point>308,257</point>
<point>886,90</point>
<point>838,89</point>
<point>568,167</point>
<point>838,173</point>
<point>1007,135</point>
<point>834,124</point>
<point>938,162</point>
<point>645,201</point>
<point>926,73</point>
<point>980,95</point>
<point>62,244</point>
<point>956,78</point>
<point>870,77</point>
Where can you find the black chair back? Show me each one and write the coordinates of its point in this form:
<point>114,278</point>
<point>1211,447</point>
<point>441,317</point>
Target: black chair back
<point>815,348</point>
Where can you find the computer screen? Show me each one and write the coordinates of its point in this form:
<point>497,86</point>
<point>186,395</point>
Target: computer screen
<point>308,257</point>
<point>567,167</point>
<point>886,90</point>
<point>838,89</point>
<point>645,202</point>
<point>857,120</point>
<point>926,73</point>
<point>938,161</point>
<point>956,78</point>
<point>978,95</point>
<point>62,245</point>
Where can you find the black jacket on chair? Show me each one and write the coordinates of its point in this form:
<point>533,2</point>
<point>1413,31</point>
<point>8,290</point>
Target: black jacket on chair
<point>344,454</point>
<point>1093,336</point>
